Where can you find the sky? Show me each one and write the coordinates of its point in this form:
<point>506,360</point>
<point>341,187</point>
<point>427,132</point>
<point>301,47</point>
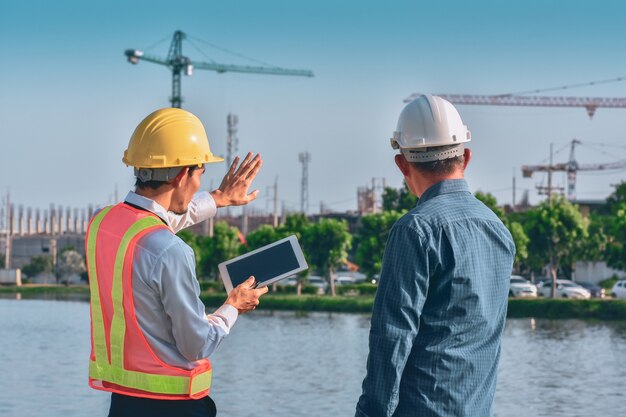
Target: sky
<point>69,100</point>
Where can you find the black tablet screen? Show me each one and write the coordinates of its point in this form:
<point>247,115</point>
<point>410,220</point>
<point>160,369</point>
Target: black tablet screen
<point>264,265</point>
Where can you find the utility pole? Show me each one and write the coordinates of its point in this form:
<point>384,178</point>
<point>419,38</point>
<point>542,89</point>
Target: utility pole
<point>304,158</point>
<point>232,141</point>
<point>513,202</point>
<point>275,214</point>
<point>9,233</point>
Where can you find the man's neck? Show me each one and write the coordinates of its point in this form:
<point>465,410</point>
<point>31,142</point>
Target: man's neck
<point>164,199</point>
<point>424,182</point>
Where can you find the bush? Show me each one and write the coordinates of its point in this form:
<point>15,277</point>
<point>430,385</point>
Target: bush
<point>357,289</point>
<point>608,283</point>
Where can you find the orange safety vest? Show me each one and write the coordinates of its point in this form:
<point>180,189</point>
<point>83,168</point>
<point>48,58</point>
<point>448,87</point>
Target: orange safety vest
<point>121,359</point>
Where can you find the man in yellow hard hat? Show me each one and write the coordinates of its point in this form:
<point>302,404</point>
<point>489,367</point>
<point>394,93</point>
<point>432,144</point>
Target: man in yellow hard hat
<point>151,338</point>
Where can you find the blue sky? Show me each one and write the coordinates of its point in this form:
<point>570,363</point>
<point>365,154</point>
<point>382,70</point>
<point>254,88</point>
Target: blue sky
<point>69,101</point>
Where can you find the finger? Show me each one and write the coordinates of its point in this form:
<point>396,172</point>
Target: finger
<point>245,170</point>
<point>244,164</point>
<point>261,291</point>
<point>233,166</point>
<point>252,196</point>
<point>249,282</point>
<point>254,171</point>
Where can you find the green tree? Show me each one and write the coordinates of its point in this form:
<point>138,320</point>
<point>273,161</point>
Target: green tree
<point>224,245</point>
<point>555,229</point>
<point>327,243</point>
<point>38,265</point>
<point>371,239</point>
<point>398,199</point>
<point>616,228</point>
<point>520,238</point>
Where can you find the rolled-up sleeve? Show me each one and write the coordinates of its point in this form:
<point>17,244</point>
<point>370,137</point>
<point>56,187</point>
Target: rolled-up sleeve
<point>395,320</point>
<point>201,208</point>
<point>196,334</point>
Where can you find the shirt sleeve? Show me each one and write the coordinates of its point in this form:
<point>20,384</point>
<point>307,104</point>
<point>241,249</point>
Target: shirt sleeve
<point>397,308</point>
<point>201,208</point>
<point>196,334</point>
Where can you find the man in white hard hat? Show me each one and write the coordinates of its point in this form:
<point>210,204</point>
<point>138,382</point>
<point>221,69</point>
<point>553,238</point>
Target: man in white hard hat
<point>150,335</point>
<point>441,303</point>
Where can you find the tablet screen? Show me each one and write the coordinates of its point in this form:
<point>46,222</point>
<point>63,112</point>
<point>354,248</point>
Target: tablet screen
<point>264,265</point>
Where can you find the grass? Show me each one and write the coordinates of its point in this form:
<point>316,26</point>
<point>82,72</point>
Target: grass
<point>547,308</point>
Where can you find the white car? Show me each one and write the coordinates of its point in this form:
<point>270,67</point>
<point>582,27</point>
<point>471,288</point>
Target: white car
<point>344,280</point>
<point>521,287</point>
<point>619,289</point>
<point>564,289</point>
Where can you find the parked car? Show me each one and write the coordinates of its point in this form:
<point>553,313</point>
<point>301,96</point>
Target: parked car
<point>619,289</point>
<point>521,287</point>
<point>317,281</point>
<point>344,280</point>
<point>595,290</point>
<point>291,281</point>
<point>564,289</point>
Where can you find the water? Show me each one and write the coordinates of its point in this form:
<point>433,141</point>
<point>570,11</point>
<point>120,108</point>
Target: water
<point>288,365</point>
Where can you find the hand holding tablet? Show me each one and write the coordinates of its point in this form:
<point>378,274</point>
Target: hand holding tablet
<point>267,264</point>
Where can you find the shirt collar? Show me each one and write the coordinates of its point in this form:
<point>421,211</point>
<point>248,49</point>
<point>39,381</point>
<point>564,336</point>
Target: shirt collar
<point>147,204</point>
<point>444,187</point>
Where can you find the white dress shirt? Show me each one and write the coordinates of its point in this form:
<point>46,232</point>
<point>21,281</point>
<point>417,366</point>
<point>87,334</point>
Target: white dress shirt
<point>166,291</point>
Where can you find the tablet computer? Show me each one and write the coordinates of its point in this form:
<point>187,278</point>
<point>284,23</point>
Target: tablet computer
<point>267,264</point>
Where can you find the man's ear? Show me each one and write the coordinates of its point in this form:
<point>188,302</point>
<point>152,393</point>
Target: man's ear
<point>467,156</point>
<point>402,164</point>
<point>179,177</point>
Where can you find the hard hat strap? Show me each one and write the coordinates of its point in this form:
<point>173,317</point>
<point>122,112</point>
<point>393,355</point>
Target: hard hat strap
<point>431,154</point>
<point>157,174</point>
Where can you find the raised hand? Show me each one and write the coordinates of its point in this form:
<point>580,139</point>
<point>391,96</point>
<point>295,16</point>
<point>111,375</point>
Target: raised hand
<point>233,191</point>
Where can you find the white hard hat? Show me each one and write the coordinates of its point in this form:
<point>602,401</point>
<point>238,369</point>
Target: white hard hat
<point>430,129</point>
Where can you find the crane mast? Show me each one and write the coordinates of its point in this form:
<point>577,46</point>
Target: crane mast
<point>571,167</point>
<point>179,63</point>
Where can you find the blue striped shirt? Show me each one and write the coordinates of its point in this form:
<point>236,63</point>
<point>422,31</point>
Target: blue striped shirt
<point>439,310</point>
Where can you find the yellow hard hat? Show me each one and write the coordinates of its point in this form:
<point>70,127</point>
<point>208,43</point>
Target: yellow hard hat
<point>169,138</point>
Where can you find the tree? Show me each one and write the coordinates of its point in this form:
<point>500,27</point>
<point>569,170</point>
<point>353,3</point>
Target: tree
<point>520,238</point>
<point>38,265</point>
<point>616,228</point>
<point>327,243</point>
<point>224,245</point>
<point>398,199</point>
<point>70,262</point>
<point>555,229</point>
<point>371,239</point>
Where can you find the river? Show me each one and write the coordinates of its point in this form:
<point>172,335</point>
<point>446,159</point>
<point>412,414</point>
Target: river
<point>286,364</point>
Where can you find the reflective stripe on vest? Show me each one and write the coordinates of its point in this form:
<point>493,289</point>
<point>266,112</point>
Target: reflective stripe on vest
<point>188,384</point>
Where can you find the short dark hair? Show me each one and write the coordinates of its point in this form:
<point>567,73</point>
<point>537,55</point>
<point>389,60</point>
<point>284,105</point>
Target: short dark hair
<point>154,185</point>
<point>442,167</point>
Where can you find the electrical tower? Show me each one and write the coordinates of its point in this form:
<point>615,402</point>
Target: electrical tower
<point>179,64</point>
<point>232,141</point>
<point>571,167</point>
<point>304,158</point>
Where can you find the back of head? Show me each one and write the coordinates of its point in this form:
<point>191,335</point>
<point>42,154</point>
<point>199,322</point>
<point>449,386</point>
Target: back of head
<point>431,135</point>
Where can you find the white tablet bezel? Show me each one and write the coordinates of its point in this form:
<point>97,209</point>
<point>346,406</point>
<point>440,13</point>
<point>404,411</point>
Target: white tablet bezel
<point>295,247</point>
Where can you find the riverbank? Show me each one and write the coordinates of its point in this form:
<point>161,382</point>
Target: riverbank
<point>597,309</point>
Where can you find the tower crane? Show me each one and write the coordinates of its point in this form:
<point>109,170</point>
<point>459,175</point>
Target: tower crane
<point>589,103</point>
<point>179,64</point>
<point>571,167</point>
